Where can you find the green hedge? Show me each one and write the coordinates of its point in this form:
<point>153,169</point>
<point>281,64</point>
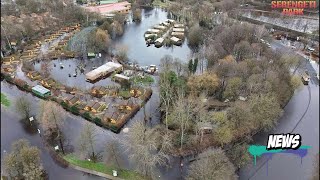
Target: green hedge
<point>74,110</point>
<point>97,121</point>
<point>87,116</point>
<point>64,105</point>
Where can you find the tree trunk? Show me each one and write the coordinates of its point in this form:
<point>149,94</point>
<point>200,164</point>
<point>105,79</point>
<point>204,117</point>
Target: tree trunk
<point>60,141</point>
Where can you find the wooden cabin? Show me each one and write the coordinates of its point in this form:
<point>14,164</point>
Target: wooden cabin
<point>126,105</point>
<point>8,68</point>
<point>72,100</point>
<point>99,90</point>
<point>48,82</point>
<point>93,106</point>
<point>135,93</point>
<point>34,75</point>
<point>111,117</point>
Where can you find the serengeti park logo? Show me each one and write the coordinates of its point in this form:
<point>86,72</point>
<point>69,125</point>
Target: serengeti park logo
<point>294,7</point>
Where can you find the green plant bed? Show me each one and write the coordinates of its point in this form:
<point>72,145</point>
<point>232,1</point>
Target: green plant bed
<point>125,94</point>
<point>74,110</point>
<point>101,167</point>
<point>4,100</point>
<point>146,80</point>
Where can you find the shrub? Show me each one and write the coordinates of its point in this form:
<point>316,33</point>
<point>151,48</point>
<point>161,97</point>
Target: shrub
<point>74,110</point>
<point>114,128</point>
<point>97,121</point>
<point>64,105</point>
<point>86,115</point>
<point>26,87</point>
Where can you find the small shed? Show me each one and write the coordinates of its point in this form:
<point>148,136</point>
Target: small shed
<point>48,82</point>
<point>99,90</point>
<point>41,91</point>
<point>91,55</point>
<point>34,75</point>
<point>112,117</point>
<point>93,106</point>
<point>121,78</point>
<point>72,100</point>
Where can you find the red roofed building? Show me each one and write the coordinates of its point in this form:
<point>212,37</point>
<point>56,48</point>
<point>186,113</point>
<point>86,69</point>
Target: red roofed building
<point>121,7</point>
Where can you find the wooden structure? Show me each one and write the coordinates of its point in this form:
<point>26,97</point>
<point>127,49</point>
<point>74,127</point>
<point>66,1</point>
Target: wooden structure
<point>126,105</point>
<point>99,91</point>
<point>103,71</point>
<point>34,75</point>
<point>72,100</point>
<point>47,82</point>
<point>121,78</point>
<point>135,93</point>
<point>93,106</point>
<point>8,68</point>
<point>111,117</point>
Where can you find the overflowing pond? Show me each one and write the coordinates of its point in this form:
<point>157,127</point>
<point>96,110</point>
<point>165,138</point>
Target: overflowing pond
<point>138,51</point>
<point>70,68</point>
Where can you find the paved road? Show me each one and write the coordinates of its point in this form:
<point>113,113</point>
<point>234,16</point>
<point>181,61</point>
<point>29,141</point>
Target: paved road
<point>301,116</point>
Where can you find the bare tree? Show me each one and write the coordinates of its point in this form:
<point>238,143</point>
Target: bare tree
<point>23,162</point>
<point>23,107</point>
<point>212,164</point>
<point>87,141</point>
<point>181,115</point>
<point>52,117</point>
<point>45,69</point>
<point>146,148</point>
<point>113,152</point>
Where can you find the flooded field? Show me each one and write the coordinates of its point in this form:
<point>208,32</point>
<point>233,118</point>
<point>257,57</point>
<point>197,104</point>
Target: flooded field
<point>70,67</point>
<point>133,38</point>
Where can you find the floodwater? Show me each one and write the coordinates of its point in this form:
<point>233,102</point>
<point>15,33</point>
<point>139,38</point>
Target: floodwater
<point>70,67</point>
<point>280,167</point>
<point>138,51</point>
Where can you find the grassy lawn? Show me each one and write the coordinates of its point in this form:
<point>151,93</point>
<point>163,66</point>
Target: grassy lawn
<point>101,167</point>
<point>146,80</point>
<point>124,93</point>
<point>160,4</point>
<point>4,100</point>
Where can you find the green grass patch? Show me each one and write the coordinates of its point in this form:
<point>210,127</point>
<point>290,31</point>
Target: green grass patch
<point>146,80</point>
<point>160,4</point>
<point>4,100</point>
<point>101,167</point>
<point>124,93</point>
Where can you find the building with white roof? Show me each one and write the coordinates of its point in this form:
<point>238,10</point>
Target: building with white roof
<point>103,70</point>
